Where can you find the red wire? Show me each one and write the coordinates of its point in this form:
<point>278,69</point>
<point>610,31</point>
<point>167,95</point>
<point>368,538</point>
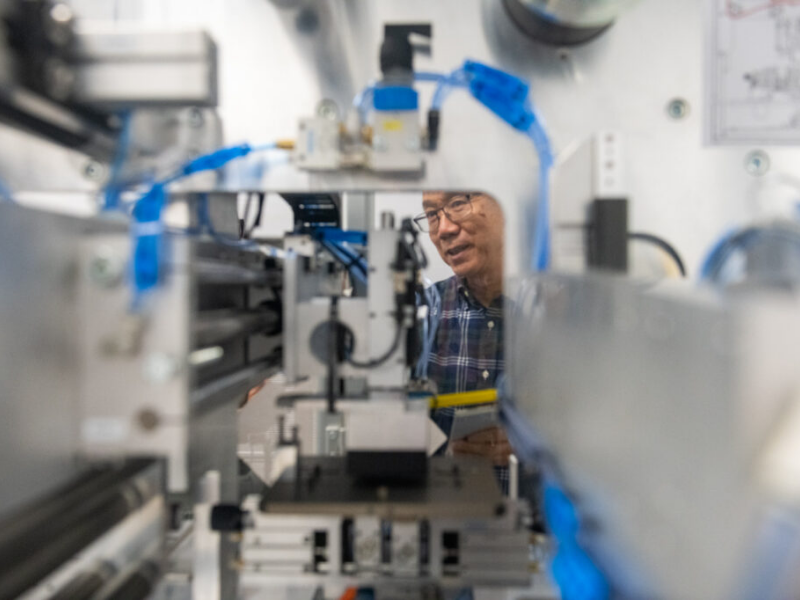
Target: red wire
<point>746,13</point>
<point>349,594</point>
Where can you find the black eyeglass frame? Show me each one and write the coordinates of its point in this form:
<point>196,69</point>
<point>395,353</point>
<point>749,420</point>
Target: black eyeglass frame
<point>423,221</point>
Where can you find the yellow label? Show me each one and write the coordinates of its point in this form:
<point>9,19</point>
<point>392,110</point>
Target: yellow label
<point>393,125</point>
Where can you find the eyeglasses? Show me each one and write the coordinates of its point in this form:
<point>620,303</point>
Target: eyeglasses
<point>457,209</point>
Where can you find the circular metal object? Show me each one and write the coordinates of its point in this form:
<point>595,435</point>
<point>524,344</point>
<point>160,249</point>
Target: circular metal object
<point>677,108</point>
<point>94,170</point>
<point>59,27</point>
<point>148,419</point>
<point>307,21</point>
<point>159,367</point>
<point>542,27</point>
<point>106,268</point>
<point>379,144</point>
<point>328,109</point>
<point>757,162</point>
<point>413,143</point>
<point>59,79</point>
<point>61,13</point>
<point>196,118</point>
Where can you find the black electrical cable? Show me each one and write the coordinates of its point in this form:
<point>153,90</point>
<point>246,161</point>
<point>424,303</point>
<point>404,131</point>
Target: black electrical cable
<point>376,362</point>
<point>355,262</point>
<point>257,221</point>
<point>663,244</point>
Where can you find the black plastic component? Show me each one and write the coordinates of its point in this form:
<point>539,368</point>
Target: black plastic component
<point>434,118</point>
<point>424,542</point>
<point>386,542</point>
<point>314,210</point>
<point>320,550</point>
<point>227,517</point>
<point>608,235</point>
<point>42,46</point>
<point>388,466</point>
<point>450,552</point>
<point>397,53</point>
<point>348,545</point>
<point>549,32</point>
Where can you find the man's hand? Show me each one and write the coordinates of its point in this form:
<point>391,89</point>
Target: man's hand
<point>491,443</point>
<point>253,391</point>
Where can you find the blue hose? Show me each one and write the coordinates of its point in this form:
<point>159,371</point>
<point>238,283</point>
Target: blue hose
<point>5,192</point>
<point>114,186</point>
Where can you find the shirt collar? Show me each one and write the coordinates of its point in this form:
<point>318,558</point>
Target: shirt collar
<point>464,293</point>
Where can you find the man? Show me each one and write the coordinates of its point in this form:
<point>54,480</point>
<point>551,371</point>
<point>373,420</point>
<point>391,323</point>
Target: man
<point>467,354</point>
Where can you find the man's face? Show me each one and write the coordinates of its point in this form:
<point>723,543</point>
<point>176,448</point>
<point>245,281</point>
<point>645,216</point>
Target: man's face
<point>474,244</point>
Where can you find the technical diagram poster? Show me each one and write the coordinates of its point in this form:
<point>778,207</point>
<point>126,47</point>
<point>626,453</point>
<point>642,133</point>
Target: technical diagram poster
<point>753,72</point>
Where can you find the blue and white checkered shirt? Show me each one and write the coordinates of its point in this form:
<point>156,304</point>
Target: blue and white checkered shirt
<point>467,353</point>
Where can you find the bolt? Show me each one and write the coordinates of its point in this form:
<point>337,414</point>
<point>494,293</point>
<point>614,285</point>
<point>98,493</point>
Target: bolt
<point>757,163</point>
<point>678,108</point>
<point>413,143</point>
<point>379,144</point>
<point>405,553</point>
<point>59,28</point>
<point>159,367</point>
<point>61,13</point>
<point>93,170</point>
<point>59,79</point>
<point>106,268</point>
<point>148,419</point>
<point>328,109</point>
<point>307,21</point>
<point>196,118</point>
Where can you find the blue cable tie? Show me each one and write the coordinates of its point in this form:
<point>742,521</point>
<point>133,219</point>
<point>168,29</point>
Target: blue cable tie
<point>147,232</point>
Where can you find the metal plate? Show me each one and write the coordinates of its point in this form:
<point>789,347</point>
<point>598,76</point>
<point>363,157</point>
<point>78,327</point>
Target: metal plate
<point>455,488</point>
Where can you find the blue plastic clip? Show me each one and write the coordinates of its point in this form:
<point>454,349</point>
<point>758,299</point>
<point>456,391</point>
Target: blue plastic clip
<point>504,94</point>
<point>505,84</point>
<point>148,231</point>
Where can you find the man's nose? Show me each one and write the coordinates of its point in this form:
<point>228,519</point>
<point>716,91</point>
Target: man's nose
<point>446,227</point>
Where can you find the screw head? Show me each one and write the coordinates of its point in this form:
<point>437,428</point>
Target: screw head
<point>378,143</point>
<point>93,170</point>
<point>757,163</point>
<point>159,367</point>
<point>328,109</point>
<point>61,13</point>
<point>413,143</point>
<point>106,268</point>
<point>59,79</point>
<point>678,108</point>
<point>148,419</point>
<point>196,118</point>
<point>59,28</point>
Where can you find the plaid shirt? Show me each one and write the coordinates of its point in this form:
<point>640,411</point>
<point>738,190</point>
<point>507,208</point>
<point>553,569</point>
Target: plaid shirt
<point>467,353</point>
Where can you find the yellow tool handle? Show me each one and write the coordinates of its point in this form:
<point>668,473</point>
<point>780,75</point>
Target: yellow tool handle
<point>464,398</point>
